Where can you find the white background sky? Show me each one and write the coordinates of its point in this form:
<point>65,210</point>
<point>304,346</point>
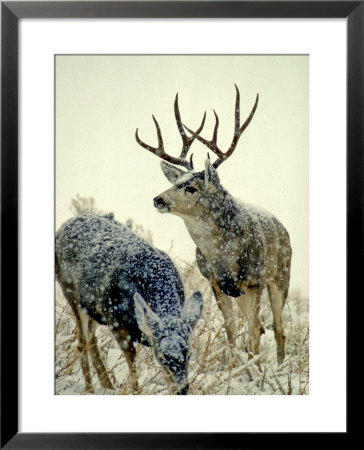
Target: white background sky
<point>101,100</point>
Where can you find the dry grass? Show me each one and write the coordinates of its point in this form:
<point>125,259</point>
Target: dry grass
<point>215,367</point>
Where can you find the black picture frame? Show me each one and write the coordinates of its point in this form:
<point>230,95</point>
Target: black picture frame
<point>11,12</point>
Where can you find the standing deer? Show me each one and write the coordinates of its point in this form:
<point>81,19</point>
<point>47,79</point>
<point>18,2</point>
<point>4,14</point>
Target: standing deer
<point>114,277</point>
<point>240,249</point>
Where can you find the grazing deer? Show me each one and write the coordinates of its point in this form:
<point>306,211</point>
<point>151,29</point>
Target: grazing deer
<point>240,249</point>
<point>111,275</point>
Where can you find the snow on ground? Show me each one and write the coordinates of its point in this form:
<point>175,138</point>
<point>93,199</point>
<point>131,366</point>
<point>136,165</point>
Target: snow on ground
<point>215,368</point>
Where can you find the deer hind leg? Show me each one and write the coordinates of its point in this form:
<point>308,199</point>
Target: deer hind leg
<point>225,305</point>
<point>127,347</point>
<point>96,357</point>
<point>277,300</point>
<point>81,323</point>
<point>249,305</point>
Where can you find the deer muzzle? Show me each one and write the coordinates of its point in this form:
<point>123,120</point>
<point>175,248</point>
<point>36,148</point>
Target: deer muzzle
<point>178,384</point>
<point>183,391</point>
<point>160,204</point>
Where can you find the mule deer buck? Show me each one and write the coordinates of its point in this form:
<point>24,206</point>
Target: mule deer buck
<point>111,276</point>
<point>240,249</point>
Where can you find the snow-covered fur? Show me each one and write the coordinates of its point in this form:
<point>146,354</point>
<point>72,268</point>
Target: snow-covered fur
<point>240,249</point>
<point>120,280</point>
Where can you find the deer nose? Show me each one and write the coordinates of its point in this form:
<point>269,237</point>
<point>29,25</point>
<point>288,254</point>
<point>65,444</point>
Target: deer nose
<point>184,391</point>
<point>158,202</point>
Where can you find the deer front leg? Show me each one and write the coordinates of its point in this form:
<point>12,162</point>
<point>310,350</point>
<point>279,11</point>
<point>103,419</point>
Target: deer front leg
<point>129,351</point>
<point>225,305</point>
<point>223,301</point>
<point>249,305</point>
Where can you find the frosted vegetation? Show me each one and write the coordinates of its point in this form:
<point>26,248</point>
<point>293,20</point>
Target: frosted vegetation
<point>215,368</point>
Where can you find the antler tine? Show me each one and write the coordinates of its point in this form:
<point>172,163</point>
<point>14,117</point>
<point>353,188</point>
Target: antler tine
<point>156,150</point>
<point>187,140</point>
<point>238,130</point>
<point>159,151</point>
<point>212,145</point>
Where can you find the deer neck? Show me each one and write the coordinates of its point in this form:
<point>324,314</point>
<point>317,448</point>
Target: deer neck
<point>201,229</point>
<point>210,228</point>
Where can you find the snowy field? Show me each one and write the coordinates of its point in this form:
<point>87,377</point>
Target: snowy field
<point>215,368</point>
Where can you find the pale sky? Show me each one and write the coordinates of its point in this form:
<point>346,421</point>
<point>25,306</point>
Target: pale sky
<point>101,100</point>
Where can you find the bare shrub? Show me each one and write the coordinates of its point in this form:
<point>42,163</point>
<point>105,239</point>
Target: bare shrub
<point>215,367</point>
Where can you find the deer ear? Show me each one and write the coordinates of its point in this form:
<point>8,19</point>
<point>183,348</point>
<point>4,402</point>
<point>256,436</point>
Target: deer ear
<point>211,176</point>
<point>172,173</point>
<point>192,309</point>
<point>147,320</point>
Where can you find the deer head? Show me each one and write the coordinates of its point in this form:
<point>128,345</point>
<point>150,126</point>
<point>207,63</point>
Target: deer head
<point>169,338</point>
<point>191,189</point>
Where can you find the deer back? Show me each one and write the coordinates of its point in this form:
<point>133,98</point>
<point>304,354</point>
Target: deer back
<point>106,264</point>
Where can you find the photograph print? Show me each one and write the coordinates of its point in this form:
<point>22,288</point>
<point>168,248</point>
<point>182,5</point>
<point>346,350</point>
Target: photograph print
<point>181,213</point>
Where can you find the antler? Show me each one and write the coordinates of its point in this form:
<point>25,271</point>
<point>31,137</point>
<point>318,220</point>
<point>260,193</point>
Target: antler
<point>187,141</point>
<point>212,144</point>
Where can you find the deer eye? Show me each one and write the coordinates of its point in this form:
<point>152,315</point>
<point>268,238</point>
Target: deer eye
<point>190,189</point>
